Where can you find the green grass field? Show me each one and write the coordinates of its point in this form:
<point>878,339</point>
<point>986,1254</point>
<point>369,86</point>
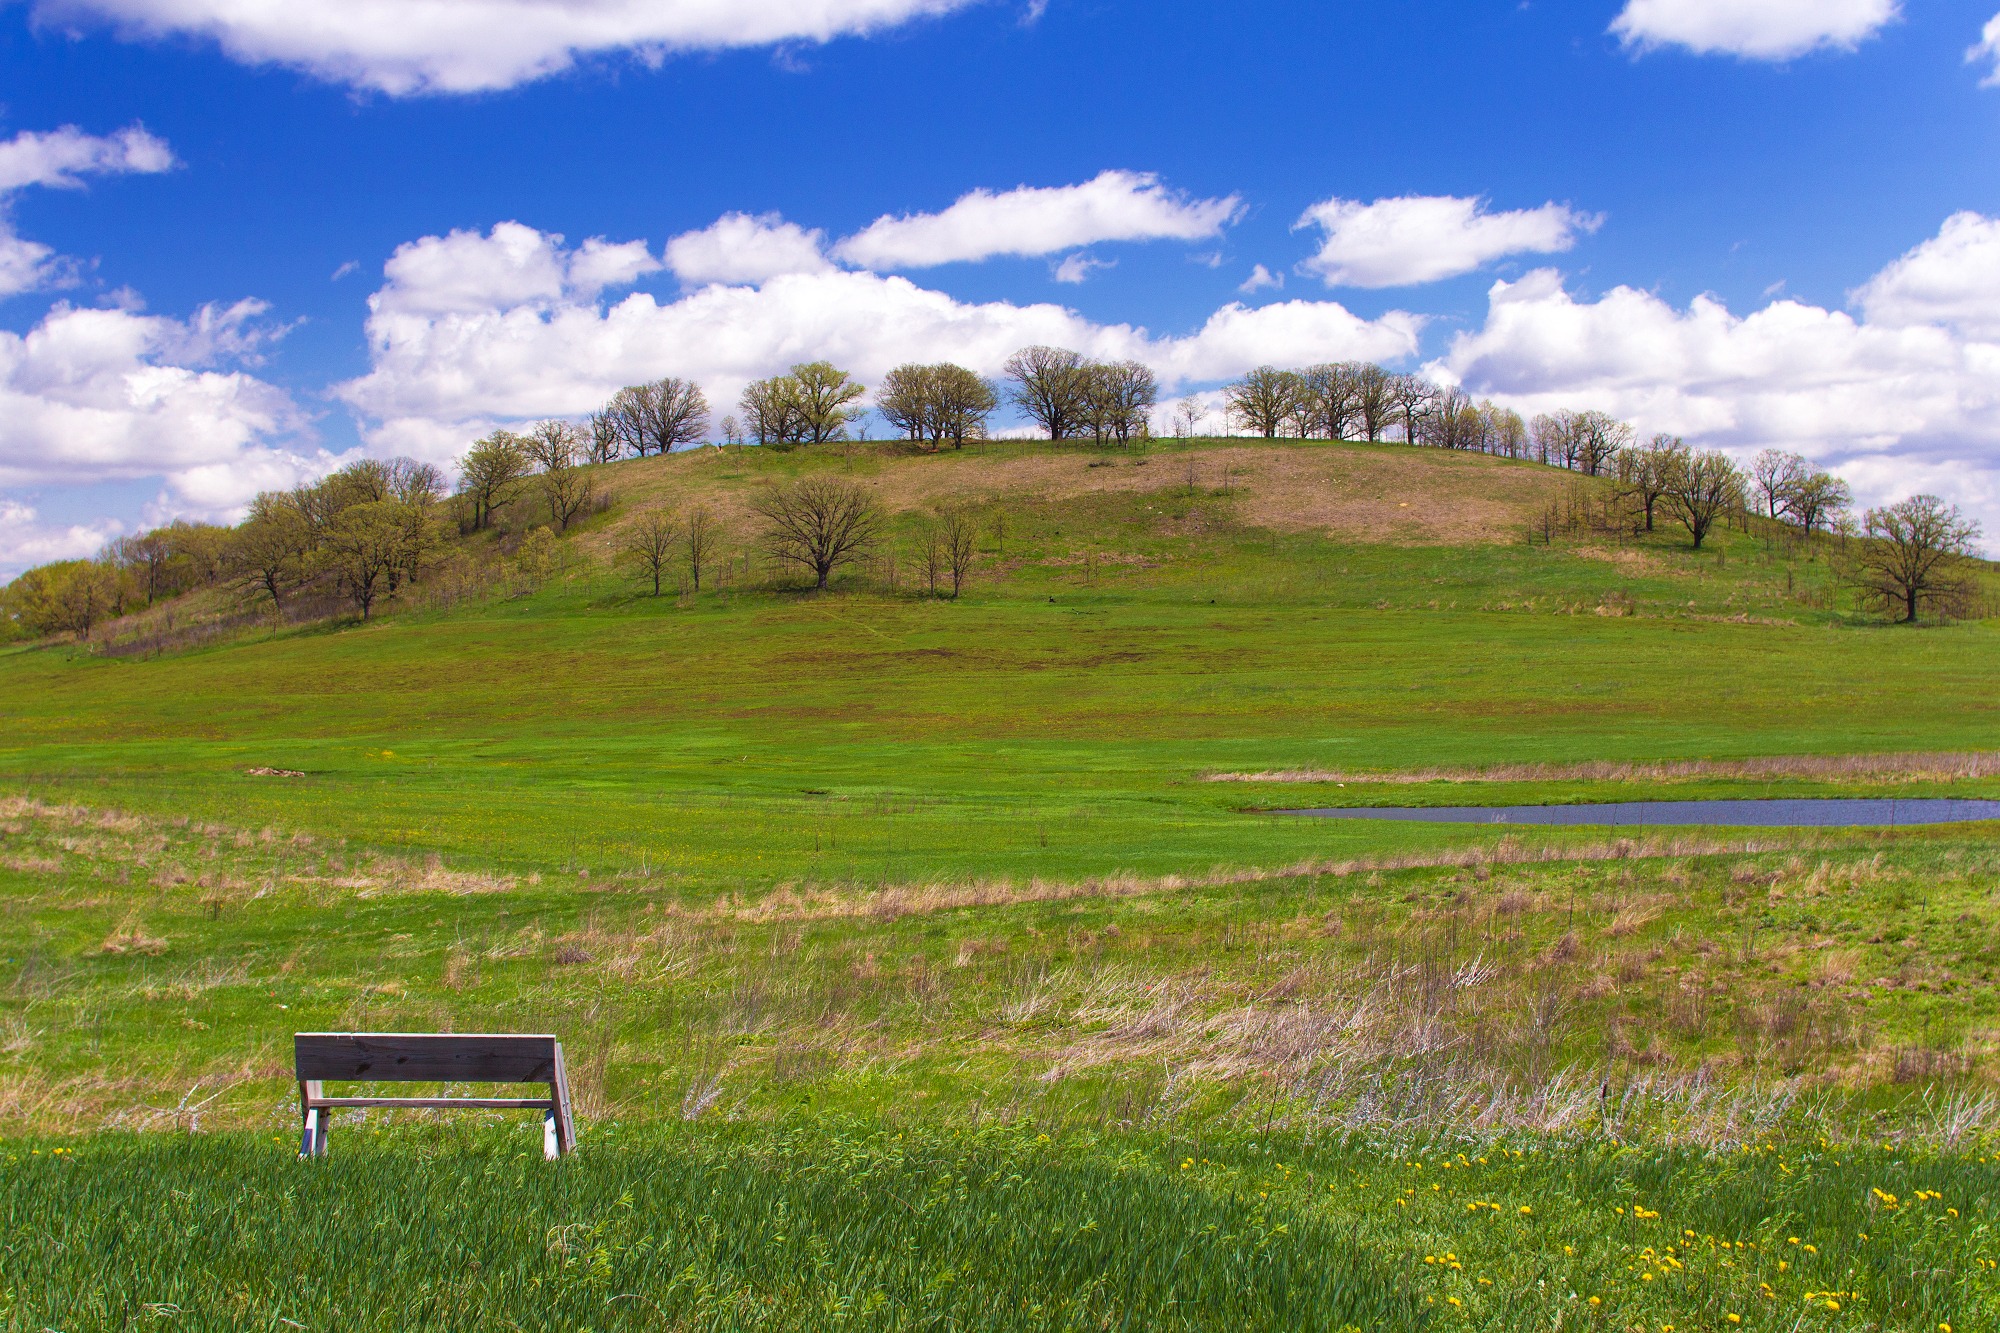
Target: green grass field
<point>842,902</point>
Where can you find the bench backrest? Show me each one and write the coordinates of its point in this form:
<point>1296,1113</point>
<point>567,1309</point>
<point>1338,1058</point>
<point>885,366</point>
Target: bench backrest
<point>426,1057</point>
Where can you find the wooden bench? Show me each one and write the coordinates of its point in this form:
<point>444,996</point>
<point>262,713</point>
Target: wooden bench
<point>432,1057</point>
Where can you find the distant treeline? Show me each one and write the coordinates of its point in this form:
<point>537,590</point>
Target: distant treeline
<point>372,528</point>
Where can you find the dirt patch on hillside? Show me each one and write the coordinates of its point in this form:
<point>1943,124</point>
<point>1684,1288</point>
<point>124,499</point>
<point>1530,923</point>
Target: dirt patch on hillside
<point>1375,494</point>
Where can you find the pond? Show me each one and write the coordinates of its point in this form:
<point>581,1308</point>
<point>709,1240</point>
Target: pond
<point>1866,812</point>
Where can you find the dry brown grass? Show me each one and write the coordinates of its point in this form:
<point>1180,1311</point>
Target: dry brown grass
<point>797,902</point>
<point>1903,767</point>
<point>1380,494</point>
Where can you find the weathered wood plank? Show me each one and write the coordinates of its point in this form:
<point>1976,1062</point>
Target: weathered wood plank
<point>559,1094</point>
<point>429,1057</point>
<point>443,1103</point>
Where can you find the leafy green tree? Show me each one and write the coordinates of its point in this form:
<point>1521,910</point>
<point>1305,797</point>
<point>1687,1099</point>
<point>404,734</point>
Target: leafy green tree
<point>823,395</point>
<point>65,597</point>
<point>271,549</point>
<point>908,401</point>
<point>491,475</point>
<point>364,548</point>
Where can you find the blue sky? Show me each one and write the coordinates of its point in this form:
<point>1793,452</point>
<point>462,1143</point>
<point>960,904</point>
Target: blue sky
<point>1748,222</point>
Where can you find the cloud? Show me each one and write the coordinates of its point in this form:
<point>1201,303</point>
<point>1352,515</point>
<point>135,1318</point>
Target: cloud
<point>1423,238</point>
<point>1988,48</point>
<point>738,247</point>
<point>444,368</point>
<point>1895,405</point>
<point>61,158</point>
<point>511,265</point>
<point>402,47</point>
<point>92,396</point>
<point>1754,29</point>
<point>1260,278</point>
<point>1078,267</point>
<point>1951,279</point>
<point>25,540</point>
<point>1030,221</point>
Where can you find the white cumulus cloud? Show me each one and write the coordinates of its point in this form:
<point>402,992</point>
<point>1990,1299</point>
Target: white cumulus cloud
<point>1036,220</point>
<point>1953,278</point>
<point>1755,29</point>
<point>1424,238</point>
<point>1895,404</point>
<point>738,247</point>
<point>26,540</point>
<point>92,396</point>
<point>453,46</point>
<point>444,369</point>
<point>1988,49</point>
<point>62,158</point>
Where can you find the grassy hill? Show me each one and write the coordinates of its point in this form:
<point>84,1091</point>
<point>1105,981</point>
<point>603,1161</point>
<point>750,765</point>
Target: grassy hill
<point>797,874</point>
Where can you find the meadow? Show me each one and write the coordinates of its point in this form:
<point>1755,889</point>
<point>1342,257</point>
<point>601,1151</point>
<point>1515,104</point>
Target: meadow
<point>940,963</point>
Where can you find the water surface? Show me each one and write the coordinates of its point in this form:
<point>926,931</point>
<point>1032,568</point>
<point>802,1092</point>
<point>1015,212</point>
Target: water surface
<point>1831,812</point>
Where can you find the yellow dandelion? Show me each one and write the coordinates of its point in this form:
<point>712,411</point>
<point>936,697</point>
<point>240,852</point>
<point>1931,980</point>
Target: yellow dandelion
<point>1833,1305</point>
<point>1597,1300</point>
<point>1734,1318</point>
<point>1527,1211</point>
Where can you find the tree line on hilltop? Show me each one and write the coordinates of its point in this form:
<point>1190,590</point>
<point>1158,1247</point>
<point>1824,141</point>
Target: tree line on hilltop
<point>364,533</point>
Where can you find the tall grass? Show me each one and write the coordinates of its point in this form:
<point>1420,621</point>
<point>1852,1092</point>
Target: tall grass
<point>830,1225</point>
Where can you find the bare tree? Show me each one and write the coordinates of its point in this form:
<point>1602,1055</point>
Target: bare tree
<point>698,542</point>
<point>1264,399</point>
<point>771,408</point>
<point>648,545</point>
<point>1187,415</point>
<point>1506,432</point>
<point>1049,385</point>
<point>1917,558</point>
<point>1412,396</point>
<point>605,442</point>
<point>928,544</point>
<point>1599,439</point>
<point>819,523</point>
<point>1555,438</point>
<point>1373,402</point>
<point>1646,474</point>
<point>959,532</point>
<point>1774,473</point>
<point>557,448</point>
<point>1453,420</point>
<point>490,475</point>
<point>658,417</point>
<point>1703,488</point>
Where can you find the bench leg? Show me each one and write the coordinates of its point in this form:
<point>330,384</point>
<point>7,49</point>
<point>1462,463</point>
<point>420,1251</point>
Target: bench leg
<point>551,1148</point>
<point>313,1142</point>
